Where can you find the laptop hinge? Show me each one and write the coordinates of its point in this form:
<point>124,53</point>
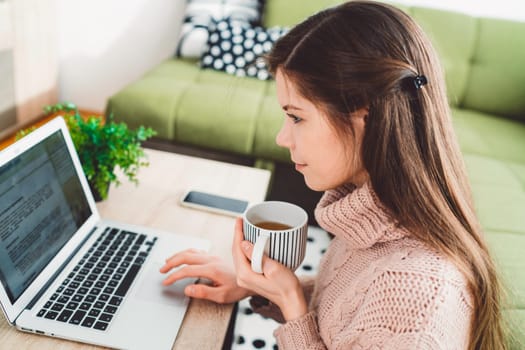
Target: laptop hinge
<point>59,270</point>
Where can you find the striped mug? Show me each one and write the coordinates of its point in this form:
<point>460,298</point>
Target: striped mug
<point>277,229</point>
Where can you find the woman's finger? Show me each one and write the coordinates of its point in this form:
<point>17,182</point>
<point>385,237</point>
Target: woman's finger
<point>203,291</point>
<point>189,257</point>
<point>267,263</point>
<point>238,237</point>
<point>271,267</point>
<point>191,271</point>
<point>247,249</point>
<point>188,251</point>
<point>192,252</point>
<point>242,264</point>
<point>200,291</point>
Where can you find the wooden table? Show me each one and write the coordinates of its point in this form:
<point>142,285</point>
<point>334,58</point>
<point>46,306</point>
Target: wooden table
<point>155,203</point>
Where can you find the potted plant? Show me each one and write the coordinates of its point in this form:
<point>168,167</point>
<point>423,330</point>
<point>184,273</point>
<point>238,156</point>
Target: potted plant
<point>102,146</point>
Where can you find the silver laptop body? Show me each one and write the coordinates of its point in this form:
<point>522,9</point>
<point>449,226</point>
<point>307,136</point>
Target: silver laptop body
<point>52,240</point>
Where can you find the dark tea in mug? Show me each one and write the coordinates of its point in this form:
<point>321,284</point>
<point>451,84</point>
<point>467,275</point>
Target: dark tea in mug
<point>272,225</point>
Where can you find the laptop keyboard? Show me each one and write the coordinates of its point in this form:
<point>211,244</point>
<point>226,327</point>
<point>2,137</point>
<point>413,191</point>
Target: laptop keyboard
<point>92,293</point>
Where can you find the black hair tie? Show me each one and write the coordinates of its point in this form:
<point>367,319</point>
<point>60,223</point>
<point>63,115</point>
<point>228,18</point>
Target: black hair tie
<point>419,81</point>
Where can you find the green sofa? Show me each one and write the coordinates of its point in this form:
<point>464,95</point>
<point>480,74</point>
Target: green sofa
<point>484,61</point>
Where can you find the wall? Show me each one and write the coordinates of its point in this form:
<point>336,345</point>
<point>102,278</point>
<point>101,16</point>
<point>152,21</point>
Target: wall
<point>105,44</point>
<point>35,56</point>
<point>28,61</point>
<point>7,85</point>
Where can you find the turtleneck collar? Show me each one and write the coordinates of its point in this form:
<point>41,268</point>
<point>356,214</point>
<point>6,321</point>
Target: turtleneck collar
<point>356,215</point>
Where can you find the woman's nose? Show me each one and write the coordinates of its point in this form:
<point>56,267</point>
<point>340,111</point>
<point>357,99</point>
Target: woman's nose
<point>283,138</point>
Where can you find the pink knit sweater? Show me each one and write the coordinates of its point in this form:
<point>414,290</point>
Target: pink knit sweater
<point>377,287</point>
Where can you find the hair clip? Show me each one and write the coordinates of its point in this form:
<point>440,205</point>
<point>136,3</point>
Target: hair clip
<point>419,81</point>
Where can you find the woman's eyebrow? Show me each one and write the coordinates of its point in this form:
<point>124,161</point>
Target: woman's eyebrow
<point>287,107</point>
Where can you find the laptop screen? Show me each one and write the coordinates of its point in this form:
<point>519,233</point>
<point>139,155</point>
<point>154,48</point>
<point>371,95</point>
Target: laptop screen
<point>41,206</point>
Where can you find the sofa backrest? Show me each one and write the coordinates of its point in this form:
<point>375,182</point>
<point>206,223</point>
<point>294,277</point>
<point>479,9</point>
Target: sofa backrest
<point>483,58</point>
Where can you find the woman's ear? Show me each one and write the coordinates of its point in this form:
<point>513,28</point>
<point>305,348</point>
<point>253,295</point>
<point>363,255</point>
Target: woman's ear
<point>359,117</point>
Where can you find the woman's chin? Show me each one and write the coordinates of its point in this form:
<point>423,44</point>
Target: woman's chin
<point>314,185</point>
<point>321,184</point>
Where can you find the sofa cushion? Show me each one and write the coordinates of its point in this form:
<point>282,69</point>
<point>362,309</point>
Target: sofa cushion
<point>507,250</point>
<point>233,106</point>
<point>453,35</point>
<point>291,12</point>
<point>235,48</point>
<point>156,96</point>
<point>490,135</point>
<point>498,194</point>
<point>498,59</point>
<point>200,14</point>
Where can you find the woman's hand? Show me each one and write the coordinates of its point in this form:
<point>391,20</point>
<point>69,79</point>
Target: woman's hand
<point>277,283</point>
<point>224,288</point>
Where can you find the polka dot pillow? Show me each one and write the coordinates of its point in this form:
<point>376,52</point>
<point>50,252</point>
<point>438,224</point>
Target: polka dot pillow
<point>236,47</point>
<point>200,14</point>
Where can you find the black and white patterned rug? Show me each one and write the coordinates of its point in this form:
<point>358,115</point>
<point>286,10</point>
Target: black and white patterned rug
<point>252,331</point>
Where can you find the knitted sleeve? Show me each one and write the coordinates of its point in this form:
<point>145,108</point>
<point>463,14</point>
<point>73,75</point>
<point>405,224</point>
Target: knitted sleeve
<point>268,309</point>
<point>405,310</point>
<point>397,310</point>
<point>300,334</point>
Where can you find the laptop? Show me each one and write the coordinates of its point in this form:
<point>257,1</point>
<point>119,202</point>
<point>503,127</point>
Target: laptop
<point>67,273</point>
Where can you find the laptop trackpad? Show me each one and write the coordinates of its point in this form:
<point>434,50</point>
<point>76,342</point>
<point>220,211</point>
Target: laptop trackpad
<point>151,289</point>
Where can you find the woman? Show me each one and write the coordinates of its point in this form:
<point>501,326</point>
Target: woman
<point>367,121</point>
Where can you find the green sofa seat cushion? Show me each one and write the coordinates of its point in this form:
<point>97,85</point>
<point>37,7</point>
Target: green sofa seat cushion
<point>500,207</point>
<point>499,193</point>
<point>516,320</point>
<point>490,135</point>
<point>219,116</point>
<point>156,95</point>
<point>507,249</point>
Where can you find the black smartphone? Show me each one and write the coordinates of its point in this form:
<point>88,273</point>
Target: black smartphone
<point>214,203</point>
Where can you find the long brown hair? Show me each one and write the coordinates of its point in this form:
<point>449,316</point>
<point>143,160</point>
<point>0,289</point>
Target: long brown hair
<point>366,54</point>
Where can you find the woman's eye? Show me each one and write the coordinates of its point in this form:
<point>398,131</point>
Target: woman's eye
<point>295,119</point>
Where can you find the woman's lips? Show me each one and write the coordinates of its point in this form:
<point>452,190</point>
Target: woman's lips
<point>299,167</point>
